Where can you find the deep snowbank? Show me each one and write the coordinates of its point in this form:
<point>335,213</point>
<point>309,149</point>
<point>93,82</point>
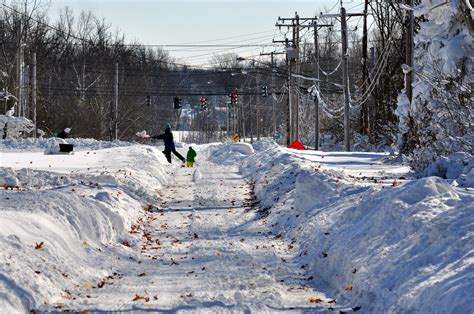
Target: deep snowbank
<point>59,226</point>
<point>395,248</point>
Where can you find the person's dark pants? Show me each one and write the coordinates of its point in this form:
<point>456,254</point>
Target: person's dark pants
<point>168,152</point>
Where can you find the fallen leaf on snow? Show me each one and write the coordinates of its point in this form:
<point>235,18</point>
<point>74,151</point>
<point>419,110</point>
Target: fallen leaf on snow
<point>138,297</point>
<point>87,285</point>
<point>314,300</point>
<point>39,245</point>
<point>348,287</point>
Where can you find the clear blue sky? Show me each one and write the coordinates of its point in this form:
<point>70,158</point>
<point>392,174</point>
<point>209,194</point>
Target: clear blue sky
<point>191,21</point>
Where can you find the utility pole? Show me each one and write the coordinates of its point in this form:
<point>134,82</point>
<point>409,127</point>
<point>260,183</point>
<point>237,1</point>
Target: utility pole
<point>409,52</point>
<point>116,100</point>
<point>345,78</point>
<point>315,27</point>
<point>296,44</point>
<point>273,92</point>
<point>33,98</point>
<point>257,102</point>
<point>20,71</point>
<point>288,108</point>
<point>365,107</point>
<point>250,122</point>
<point>316,98</point>
<point>228,120</point>
<point>297,23</point>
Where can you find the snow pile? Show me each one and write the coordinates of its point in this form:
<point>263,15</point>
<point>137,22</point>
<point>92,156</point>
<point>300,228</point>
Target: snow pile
<point>66,215</point>
<point>230,153</point>
<point>45,143</point>
<point>387,248</point>
<point>53,146</point>
<point>458,166</point>
<point>15,127</point>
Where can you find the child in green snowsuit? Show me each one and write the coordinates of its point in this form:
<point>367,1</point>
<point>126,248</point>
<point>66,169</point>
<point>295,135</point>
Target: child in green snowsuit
<point>190,157</point>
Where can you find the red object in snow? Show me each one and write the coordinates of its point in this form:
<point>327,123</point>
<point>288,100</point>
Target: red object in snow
<point>296,145</point>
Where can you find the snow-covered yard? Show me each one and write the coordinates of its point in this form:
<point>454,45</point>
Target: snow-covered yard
<point>262,229</point>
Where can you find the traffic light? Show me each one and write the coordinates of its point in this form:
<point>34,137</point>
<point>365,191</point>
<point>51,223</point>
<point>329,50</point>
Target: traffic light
<point>177,103</point>
<point>233,98</point>
<point>264,91</point>
<point>203,101</point>
<point>148,100</point>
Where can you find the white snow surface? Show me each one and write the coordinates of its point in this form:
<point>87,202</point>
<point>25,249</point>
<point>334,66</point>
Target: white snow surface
<point>114,227</point>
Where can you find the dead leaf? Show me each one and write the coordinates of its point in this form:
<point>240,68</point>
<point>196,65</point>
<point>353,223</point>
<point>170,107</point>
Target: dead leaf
<point>138,297</point>
<point>348,287</point>
<point>218,253</point>
<point>142,274</point>
<point>87,285</point>
<point>126,243</point>
<point>39,245</point>
<point>314,300</point>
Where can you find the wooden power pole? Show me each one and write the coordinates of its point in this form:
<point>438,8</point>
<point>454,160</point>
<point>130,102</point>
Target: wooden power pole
<point>345,78</point>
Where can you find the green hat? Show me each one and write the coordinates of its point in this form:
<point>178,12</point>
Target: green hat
<point>168,126</point>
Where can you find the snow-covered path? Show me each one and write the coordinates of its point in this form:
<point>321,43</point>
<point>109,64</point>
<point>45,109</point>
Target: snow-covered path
<point>202,250</point>
<point>249,229</point>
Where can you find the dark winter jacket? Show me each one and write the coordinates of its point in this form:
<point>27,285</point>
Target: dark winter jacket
<point>63,134</point>
<point>167,137</point>
<point>191,155</point>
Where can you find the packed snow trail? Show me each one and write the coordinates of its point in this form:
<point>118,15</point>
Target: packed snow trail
<point>202,250</point>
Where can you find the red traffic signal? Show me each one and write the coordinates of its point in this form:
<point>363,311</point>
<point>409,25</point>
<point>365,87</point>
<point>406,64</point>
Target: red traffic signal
<point>233,97</point>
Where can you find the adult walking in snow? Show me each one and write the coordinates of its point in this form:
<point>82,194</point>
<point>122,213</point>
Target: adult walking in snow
<point>167,137</point>
<point>64,133</point>
<point>190,157</point>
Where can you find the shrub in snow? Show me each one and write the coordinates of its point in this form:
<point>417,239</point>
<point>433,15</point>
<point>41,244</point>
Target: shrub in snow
<point>458,166</point>
<point>14,127</point>
<point>439,120</point>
